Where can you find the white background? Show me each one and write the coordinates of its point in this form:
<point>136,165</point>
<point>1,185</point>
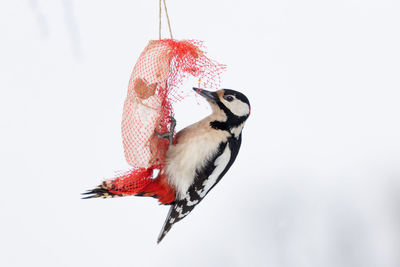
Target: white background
<point>316,182</point>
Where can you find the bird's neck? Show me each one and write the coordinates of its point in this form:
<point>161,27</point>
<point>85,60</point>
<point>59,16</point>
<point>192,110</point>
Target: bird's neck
<point>232,124</point>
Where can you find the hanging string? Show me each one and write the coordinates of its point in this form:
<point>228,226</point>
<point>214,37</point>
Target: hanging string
<point>159,20</point>
<point>159,23</point>
<point>169,24</point>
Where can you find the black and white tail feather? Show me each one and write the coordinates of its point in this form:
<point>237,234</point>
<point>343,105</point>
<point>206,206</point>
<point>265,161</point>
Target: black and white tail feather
<point>100,191</point>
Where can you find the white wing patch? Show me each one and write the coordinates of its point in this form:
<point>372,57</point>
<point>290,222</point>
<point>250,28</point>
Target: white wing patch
<point>220,163</point>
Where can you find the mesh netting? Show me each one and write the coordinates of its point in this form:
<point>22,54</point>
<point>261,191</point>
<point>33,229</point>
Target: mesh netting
<point>153,87</point>
<point>131,182</point>
<point>139,181</point>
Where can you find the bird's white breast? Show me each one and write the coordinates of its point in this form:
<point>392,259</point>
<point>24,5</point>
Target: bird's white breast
<point>195,145</point>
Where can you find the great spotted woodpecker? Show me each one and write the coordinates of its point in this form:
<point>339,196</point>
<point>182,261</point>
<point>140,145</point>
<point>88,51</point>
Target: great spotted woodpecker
<point>201,155</point>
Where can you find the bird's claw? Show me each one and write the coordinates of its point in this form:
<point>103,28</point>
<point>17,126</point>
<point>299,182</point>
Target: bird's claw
<point>168,135</point>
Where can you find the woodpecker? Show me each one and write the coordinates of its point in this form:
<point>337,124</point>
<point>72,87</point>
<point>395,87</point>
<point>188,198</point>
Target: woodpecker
<point>196,161</point>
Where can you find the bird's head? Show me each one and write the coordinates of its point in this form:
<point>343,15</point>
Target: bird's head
<point>233,104</point>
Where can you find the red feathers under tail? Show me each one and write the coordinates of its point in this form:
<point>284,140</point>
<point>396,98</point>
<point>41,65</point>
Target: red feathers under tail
<point>137,182</point>
<point>131,183</point>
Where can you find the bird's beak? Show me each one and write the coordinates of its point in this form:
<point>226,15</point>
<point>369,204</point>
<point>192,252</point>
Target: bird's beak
<point>213,96</point>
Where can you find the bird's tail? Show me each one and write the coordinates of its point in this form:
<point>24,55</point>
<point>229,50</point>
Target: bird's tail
<point>137,182</point>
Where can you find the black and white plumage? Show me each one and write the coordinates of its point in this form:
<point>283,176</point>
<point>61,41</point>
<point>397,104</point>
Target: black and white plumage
<point>204,152</point>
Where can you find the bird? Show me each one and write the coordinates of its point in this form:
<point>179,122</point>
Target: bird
<point>196,160</point>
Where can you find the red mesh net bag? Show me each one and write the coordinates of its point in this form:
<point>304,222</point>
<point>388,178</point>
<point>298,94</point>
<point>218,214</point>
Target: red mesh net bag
<point>152,89</point>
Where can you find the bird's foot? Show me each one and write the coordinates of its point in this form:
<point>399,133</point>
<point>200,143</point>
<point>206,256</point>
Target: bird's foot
<point>168,135</point>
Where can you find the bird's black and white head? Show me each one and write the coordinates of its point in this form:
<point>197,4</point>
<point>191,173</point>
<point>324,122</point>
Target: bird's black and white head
<point>232,107</point>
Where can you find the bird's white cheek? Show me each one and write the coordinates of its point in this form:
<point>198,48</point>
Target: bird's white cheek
<point>237,107</point>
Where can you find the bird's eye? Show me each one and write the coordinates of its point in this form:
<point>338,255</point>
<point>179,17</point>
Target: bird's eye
<point>228,98</point>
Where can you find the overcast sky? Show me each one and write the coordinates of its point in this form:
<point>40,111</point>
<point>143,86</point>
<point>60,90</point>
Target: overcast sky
<point>317,180</point>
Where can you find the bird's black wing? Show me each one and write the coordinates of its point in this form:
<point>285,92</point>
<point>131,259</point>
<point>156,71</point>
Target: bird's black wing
<point>205,180</point>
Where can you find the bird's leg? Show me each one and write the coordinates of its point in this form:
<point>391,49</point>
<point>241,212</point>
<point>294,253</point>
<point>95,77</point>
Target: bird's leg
<point>168,135</point>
